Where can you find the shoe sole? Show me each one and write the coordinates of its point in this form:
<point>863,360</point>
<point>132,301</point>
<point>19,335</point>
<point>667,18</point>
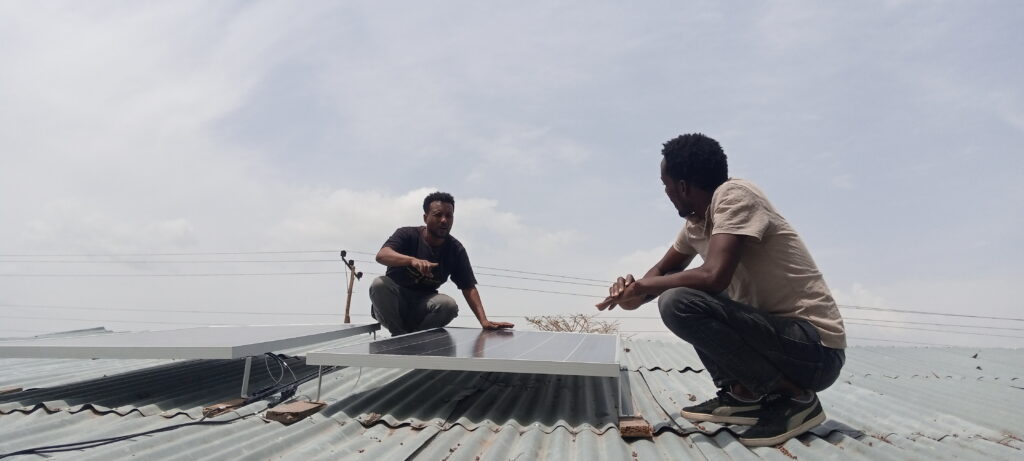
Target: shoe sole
<point>703,417</point>
<point>771,441</point>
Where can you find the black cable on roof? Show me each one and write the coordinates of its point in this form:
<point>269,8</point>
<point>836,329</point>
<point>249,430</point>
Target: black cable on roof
<point>286,391</point>
<point>74,446</point>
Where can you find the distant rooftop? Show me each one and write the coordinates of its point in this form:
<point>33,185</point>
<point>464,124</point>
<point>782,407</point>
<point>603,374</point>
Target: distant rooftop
<point>890,403</point>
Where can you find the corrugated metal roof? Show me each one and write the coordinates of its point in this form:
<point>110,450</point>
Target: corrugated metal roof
<point>890,403</point>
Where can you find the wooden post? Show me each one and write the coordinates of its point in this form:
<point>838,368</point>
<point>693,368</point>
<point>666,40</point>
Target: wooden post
<point>348,300</point>
<point>352,277</point>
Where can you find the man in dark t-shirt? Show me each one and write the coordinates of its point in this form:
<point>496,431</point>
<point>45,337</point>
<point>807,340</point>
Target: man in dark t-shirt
<point>420,259</point>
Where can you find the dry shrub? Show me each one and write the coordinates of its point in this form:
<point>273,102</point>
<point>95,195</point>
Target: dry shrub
<point>578,323</point>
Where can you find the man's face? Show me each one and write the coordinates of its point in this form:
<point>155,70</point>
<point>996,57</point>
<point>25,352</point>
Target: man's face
<point>673,189</point>
<point>439,219</point>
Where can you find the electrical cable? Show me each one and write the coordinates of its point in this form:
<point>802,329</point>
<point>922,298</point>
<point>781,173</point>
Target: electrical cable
<point>356,384</point>
<point>180,311</point>
<point>521,289</point>
<point>154,322</point>
<point>280,359</point>
<point>112,255</point>
<point>908,322</point>
<point>266,363</point>
<point>850,320</point>
<point>168,261</point>
<point>907,311</point>
<point>209,274</point>
<point>863,338</point>
<point>237,253</point>
<point>74,446</point>
<point>938,331</point>
<point>853,320</point>
<point>541,291</point>
<point>285,390</point>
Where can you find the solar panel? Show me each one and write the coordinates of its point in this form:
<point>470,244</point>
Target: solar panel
<point>471,349</point>
<point>228,342</point>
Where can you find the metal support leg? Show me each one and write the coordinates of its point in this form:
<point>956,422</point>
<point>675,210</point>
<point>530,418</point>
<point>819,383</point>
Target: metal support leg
<point>625,393</point>
<point>374,335</point>
<point>319,380</point>
<point>631,425</point>
<point>245,377</point>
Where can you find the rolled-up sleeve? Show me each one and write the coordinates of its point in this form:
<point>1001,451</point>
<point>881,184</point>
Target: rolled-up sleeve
<point>462,273</point>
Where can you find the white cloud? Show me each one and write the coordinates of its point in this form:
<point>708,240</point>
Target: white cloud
<point>150,127</point>
<point>843,182</point>
<point>525,151</point>
<point>357,220</point>
<point>857,295</point>
<point>362,220</point>
<point>72,225</point>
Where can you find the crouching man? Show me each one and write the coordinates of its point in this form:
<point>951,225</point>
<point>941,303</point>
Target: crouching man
<point>757,311</point>
<point>420,259</point>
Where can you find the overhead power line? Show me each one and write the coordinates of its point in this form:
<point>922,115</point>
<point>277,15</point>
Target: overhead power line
<point>851,320</point>
<point>545,275</point>
<point>219,274</point>
<point>863,338</point>
<point>238,253</point>
<point>175,311</point>
<point>606,285</point>
<point>354,315</point>
<point>297,273</point>
<point>935,330</point>
<point>166,261</point>
<point>26,317</point>
<point>950,325</point>
<point>525,289</point>
<point>114,255</point>
<point>907,311</point>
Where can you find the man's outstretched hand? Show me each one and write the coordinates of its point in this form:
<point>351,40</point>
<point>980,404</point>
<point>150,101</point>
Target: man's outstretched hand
<point>424,267</point>
<point>489,325</point>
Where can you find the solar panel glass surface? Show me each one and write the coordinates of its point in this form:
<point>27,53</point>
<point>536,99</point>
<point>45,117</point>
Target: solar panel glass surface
<point>473,349</point>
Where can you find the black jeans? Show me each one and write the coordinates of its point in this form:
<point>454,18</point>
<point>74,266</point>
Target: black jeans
<point>402,310</point>
<point>739,344</point>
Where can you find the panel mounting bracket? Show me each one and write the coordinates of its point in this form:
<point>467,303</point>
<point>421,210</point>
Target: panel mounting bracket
<point>625,394</point>
<point>245,377</point>
<point>630,423</point>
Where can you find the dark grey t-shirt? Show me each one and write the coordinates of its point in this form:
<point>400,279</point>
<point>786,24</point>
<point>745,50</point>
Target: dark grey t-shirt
<point>451,259</point>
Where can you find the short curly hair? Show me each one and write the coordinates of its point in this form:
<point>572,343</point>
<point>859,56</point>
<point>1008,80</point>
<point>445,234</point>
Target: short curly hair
<point>697,159</point>
<point>442,197</point>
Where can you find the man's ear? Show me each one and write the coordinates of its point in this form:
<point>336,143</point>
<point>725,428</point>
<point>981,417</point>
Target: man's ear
<point>424,218</point>
<point>683,187</point>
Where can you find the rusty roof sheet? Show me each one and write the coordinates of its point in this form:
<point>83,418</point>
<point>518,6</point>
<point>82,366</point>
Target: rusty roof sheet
<point>890,403</point>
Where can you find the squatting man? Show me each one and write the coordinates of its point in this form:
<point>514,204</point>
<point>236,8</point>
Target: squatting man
<point>757,311</point>
<point>420,259</point>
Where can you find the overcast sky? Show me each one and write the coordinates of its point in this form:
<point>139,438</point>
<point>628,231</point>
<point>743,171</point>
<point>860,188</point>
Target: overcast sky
<point>888,133</point>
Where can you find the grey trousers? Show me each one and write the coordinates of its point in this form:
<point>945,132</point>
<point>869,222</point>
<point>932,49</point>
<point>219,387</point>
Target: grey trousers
<point>402,310</point>
<point>740,344</point>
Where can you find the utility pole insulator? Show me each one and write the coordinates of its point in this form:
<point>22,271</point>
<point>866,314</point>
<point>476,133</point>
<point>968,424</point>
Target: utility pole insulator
<point>352,276</point>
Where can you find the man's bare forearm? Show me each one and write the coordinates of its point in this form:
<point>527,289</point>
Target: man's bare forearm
<point>392,258</point>
<point>697,278</point>
<point>476,305</point>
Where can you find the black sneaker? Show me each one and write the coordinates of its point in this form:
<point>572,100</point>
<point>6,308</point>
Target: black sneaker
<point>781,419</point>
<point>724,409</point>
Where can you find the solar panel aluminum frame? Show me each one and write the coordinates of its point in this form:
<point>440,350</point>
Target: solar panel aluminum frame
<point>433,362</point>
<point>39,348</point>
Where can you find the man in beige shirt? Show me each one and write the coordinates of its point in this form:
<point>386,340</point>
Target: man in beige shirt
<point>757,310</point>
